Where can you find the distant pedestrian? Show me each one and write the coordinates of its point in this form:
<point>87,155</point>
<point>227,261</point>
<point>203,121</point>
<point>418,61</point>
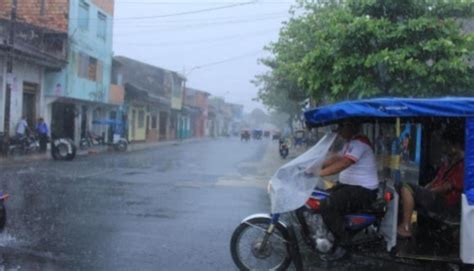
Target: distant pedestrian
<point>42,130</point>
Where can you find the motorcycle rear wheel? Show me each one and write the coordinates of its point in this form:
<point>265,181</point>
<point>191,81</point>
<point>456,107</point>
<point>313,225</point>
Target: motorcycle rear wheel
<point>121,146</point>
<point>249,236</point>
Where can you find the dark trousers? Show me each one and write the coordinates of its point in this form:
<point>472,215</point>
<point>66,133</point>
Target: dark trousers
<point>43,142</point>
<point>344,199</point>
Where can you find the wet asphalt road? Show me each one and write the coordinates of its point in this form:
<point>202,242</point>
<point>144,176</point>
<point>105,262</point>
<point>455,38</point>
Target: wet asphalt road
<point>167,208</point>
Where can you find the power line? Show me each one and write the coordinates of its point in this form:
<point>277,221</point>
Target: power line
<point>207,20</point>
<point>207,41</point>
<point>191,27</point>
<point>197,3</point>
<point>207,65</point>
<point>238,4</point>
<point>189,12</point>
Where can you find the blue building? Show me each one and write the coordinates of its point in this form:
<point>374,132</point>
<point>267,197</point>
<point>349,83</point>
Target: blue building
<point>79,94</point>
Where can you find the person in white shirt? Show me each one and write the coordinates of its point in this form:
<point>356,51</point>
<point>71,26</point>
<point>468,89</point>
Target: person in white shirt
<point>22,128</point>
<point>357,186</point>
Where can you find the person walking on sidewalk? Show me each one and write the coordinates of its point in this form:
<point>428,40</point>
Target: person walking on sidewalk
<point>42,130</point>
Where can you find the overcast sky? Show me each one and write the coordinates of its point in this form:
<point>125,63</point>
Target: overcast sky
<point>223,38</point>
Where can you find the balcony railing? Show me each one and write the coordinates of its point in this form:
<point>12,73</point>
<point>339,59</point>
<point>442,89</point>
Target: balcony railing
<point>43,45</point>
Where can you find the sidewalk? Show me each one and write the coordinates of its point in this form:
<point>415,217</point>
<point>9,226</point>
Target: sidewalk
<point>134,146</point>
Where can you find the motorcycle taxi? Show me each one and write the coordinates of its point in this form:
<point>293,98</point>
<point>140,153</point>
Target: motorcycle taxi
<point>270,242</point>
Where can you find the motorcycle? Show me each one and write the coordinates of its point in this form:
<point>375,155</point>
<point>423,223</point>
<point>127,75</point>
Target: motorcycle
<point>90,140</point>
<point>116,139</point>
<point>273,243</point>
<point>283,149</point>
<point>23,146</point>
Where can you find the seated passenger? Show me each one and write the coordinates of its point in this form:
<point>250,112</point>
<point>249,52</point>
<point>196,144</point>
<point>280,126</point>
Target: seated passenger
<point>442,195</point>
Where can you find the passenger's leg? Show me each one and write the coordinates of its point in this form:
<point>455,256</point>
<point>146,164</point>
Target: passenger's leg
<point>344,199</point>
<point>408,205</point>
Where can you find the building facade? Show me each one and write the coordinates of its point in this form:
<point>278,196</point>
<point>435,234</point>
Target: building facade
<point>78,95</point>
<point>33,44</point>
<point>197,101</point>
<point>153,99</point>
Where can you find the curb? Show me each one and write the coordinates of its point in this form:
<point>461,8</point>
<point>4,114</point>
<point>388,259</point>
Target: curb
<point>132,147</point>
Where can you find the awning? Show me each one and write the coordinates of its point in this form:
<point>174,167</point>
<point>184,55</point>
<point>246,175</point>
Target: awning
<point>391,108</point>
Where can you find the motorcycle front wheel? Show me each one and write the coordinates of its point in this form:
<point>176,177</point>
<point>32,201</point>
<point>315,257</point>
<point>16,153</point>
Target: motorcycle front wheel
<point>121,146</point>
<point>250,252</point>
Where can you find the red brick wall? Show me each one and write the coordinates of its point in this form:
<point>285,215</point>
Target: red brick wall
<point>106,5</point>
<point>5,6</point>
<point>29,11</point>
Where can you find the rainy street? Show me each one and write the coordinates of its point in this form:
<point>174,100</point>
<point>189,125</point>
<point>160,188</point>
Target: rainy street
<point>169,208</point>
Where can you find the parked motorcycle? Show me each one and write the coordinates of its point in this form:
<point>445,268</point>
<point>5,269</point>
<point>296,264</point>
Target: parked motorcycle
<point>23,145</point>
<point>90,140</point>
<point>283,148</point>
<point>264,242</point>
<point>116,136</point>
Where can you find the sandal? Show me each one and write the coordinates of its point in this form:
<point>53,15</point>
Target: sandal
<point>404,232</point>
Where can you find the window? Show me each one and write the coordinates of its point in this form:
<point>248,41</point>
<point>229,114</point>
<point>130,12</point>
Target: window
<point>99,69</point>
<point>89,67</point>
<point>82,65</point>
<point>83,16</point>
<point>92,69</point>
<point>101,25</point>
<point>141,119</point>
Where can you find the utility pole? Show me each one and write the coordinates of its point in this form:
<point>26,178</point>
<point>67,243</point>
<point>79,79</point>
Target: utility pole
<point>11,45</point>
<point>11,37</point>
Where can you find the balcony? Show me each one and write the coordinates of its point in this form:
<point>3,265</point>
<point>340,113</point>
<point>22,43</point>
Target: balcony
<point>39,45</point>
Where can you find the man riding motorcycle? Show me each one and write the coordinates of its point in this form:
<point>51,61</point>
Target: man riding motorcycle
<point>357,187</point>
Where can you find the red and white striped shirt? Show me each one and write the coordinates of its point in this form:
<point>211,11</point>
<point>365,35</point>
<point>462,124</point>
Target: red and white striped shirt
<point>363,172</point>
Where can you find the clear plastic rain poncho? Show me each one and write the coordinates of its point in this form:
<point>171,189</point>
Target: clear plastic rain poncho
<point>290,188</point>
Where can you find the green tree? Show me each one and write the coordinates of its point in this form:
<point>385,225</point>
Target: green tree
<point>365,48</point>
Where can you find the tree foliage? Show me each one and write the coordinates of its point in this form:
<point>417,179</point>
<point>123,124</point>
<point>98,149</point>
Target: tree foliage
<point>332,51</point>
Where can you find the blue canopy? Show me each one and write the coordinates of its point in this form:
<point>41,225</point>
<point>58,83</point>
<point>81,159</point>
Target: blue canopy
<point>108,122</point>
<point>391,108</point>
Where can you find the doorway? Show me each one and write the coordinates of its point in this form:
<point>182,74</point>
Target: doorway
<point>133,124</point>
<point>30,91</point>
<point>84,127</point>
<point>63,121</point>
<point>163,124</point>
